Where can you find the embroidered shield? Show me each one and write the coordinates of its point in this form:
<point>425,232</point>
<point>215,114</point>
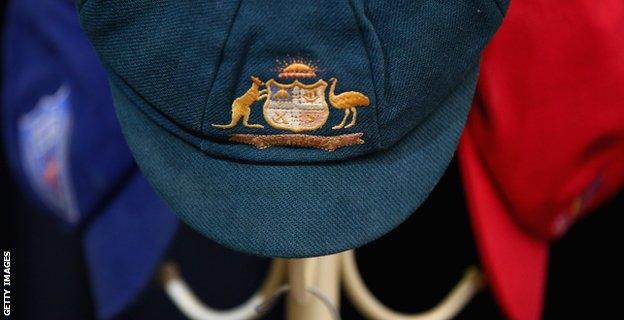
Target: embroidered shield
<point>296,106</point>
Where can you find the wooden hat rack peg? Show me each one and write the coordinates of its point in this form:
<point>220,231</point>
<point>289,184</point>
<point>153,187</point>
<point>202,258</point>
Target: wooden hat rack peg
<point>313,286</point>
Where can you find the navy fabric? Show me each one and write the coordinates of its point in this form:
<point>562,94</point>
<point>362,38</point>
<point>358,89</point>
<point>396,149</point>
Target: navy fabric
<point>67,153</point>
<point>124,244</point>
<point>176,67</point>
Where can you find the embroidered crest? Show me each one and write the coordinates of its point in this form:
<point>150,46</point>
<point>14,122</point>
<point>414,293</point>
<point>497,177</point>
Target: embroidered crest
<point>44,149</point>
<point>296,107</point>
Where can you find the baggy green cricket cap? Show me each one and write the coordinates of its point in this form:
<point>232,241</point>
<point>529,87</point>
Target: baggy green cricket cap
<point>292,128</point>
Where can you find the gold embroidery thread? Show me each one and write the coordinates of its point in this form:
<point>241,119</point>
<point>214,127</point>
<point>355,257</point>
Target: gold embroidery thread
<point>348,101</point>
<point>327,143</point>
<point>296,107</point>
<point>241,107</point>
<point>288,106</point>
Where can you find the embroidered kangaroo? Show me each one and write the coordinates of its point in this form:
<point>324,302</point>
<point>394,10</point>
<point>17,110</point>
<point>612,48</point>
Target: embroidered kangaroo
<point>241,107</point>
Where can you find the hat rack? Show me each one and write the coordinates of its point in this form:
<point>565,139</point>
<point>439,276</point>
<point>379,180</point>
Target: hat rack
<point>313,286</point>
<point>187,302</point>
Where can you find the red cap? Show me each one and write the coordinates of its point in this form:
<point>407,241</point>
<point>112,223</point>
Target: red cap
<point>544,143</point>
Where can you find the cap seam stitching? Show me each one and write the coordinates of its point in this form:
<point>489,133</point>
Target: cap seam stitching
<point>370,67</point>
<point>473,67</point>
<point>217,64</point>
<point>500,8</point>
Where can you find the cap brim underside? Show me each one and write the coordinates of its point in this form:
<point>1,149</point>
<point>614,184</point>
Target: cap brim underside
<point>125,243</point>
<point>296,210</point>
<point>514,262</point>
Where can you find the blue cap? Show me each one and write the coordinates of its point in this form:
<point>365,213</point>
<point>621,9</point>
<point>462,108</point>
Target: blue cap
<point>292,128</point>
<point>66,150</point>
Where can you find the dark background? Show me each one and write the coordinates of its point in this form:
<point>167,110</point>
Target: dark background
<point>409,269</point>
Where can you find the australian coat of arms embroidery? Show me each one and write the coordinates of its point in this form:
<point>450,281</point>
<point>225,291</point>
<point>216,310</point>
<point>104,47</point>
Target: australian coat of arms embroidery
<point>296,107</point>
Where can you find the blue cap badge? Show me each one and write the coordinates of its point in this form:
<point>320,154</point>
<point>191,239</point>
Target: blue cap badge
<point>44,134</point>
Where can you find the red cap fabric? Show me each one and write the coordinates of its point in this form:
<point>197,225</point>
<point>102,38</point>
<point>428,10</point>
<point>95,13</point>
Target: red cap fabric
<point>544,143</point>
